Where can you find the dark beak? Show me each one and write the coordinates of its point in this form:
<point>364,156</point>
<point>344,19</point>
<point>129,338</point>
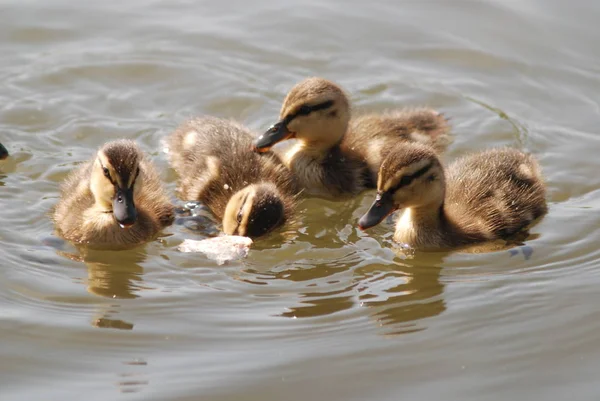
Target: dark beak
<point>380,209</point>
<point>124,208</point>
<point>3,152</point>
<point>277,133</point>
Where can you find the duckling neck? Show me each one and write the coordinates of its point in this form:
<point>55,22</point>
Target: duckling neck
<point>421,226</point>
<point>306,161</point>
<point>314,150</point>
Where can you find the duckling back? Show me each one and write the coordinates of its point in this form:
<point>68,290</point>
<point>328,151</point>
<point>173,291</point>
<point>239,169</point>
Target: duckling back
<point>214,159</point>
<point>495,193</point>
<point>372,136</point>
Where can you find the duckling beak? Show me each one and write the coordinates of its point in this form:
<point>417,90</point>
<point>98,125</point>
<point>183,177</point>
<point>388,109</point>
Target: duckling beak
<point>276,133</point>
<point>124,208</point>
<point>3,152</point>
<point>380,209</point>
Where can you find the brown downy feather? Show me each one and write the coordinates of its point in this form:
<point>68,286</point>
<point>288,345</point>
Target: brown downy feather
<point>371,136</point>
<point>214,159</point>
<point>480,197</point>
<point>336,156</point>
<point>79,219</point>
<point>495,193</point>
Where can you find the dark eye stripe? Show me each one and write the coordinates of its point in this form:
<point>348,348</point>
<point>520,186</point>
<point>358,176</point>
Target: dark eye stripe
<point>106,172</point>
<point>305,110</point>
<point>407,179</point>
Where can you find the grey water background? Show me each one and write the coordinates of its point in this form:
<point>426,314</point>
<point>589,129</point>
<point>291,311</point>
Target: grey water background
<point>327,312</point>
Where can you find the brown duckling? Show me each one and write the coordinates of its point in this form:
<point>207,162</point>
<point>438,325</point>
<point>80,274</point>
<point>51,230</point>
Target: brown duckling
<point>480,197</point>
<point>251,194</point>
<point>3,152</point>
<point>335,156</point>
<point>114,201</point>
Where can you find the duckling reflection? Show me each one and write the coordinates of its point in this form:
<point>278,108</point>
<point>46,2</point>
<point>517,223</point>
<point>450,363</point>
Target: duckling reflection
<point>398,293</point>
<point>401,296</point>
<point>328,292</point>
<point>113,275</point>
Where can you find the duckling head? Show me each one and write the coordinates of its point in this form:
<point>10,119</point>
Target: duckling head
<point>254,211</point>
<point>411,176</point>
<point>115,179</point>
<point>315,111</point>
<point>3,152</point>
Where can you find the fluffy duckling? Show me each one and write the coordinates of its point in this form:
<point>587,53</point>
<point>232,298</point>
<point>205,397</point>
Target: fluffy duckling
<point>252,194</point>
<point>481,197</point>
<point>335,157</point>
<point>3,152</point>
<point>373,135</point>
<point>114,201</point>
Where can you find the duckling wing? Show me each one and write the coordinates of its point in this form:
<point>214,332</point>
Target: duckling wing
<point>214,159</point>
<point>495,193</point>
<point>75,199</point>
<point>371,136</point>
<point>153,198</point>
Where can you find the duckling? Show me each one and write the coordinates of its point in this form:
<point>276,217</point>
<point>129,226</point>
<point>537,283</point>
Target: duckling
<point>481,197</point>
<point>114,201</point>
<point>3,152</point>
<point>335,156</point>
<point>374,134</point>
<point>251,194</point>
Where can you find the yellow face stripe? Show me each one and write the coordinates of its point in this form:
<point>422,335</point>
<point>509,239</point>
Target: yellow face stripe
<point>105,164</point>
<point>133,177</point>
<point>246,210</point>
<point>406,171</point>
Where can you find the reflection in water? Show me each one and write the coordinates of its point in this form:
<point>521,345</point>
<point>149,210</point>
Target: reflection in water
<point>196,217</point>
<point>114,275</point>
<point>339,275</point>
<point>131,382</point>
<point>336,296</point>
<point>322,303</point>
<point>515,245</point>
<point>105,322</point>
<point>398,292</point>
<point>404,294</point>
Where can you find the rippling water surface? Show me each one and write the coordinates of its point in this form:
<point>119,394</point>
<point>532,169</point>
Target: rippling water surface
<point>330,313</point>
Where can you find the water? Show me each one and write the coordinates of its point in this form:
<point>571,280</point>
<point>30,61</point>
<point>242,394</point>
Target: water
<point>322,311</point>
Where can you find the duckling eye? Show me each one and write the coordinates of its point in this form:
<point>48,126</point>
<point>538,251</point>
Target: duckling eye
<point>406,180</point>
<point>304,110</point>
<point>106,172</point>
